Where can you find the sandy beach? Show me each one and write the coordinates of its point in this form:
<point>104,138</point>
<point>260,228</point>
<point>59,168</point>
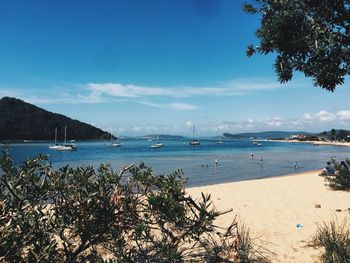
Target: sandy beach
<point>273,207</point>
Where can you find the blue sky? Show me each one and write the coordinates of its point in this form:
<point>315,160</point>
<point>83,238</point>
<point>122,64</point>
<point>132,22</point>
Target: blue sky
<point>155,66</point>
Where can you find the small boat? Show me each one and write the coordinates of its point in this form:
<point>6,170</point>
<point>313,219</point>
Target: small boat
<point>194,142</point>
<point>157,144</point>
<point>219,141</point>
<point>112,143</point>
<point>258,144</point>
<point>67,147</point>
<point>55,146</point>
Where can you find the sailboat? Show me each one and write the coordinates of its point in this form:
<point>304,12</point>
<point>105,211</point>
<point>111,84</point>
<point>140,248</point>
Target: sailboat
<point>66,146</point>
<point>219,140</point>
<point>157,144</point>
<point>194,142</point>
<point>55,146</point>
<point>113,143</point>
<point>257,143</point>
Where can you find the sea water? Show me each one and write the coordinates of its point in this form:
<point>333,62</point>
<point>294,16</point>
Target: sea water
<point>234,162</point>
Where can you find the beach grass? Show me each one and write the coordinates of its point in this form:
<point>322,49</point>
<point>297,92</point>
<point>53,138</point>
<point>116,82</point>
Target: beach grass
<point>334,239</point>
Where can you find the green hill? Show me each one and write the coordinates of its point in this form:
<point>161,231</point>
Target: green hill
<point>23,121</point>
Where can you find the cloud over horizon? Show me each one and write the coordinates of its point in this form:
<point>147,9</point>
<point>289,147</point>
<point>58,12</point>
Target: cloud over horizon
<point>309,122</point>
<point>223,88</point>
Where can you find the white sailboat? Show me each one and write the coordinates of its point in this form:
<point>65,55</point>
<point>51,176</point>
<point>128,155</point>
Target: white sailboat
<point>157,144</point>
<point>257,143</point>
<point>112,143</point>
<point>194,142</point>
<point>66,146</point>
<point>55,146</point>
<point>219,140</point>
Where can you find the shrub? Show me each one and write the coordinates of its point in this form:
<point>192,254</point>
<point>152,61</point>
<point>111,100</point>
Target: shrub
<point>78,214</point>
<point>335,240</point>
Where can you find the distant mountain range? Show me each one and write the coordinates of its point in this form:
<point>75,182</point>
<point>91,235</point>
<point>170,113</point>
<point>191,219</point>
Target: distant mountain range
<point>264,135</point>
<point>23,121</point>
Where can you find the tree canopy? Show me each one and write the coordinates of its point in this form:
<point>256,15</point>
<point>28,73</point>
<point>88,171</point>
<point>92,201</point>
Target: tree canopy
<point>309,36</point>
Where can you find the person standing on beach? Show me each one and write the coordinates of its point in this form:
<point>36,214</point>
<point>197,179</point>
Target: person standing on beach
<point>216,162</point>
<point>296,165</point>
<point>251,156</point>
<point>261,160</point>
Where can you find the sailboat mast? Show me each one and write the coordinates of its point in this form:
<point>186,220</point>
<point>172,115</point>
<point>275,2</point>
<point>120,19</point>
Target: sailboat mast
<point>65,134</point>
<point>193,132</point>
<point>56,136</point>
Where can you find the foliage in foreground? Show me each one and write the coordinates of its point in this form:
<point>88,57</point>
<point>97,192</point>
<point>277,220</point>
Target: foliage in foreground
<point>77,214</point>
<point>335,240</point>
<point>341,179</point>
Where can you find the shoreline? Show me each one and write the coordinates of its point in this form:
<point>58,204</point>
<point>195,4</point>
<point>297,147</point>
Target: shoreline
<point>344,144</point>
<point>272,207</point>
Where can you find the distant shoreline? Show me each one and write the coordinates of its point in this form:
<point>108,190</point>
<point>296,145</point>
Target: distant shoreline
<point>344,144</point>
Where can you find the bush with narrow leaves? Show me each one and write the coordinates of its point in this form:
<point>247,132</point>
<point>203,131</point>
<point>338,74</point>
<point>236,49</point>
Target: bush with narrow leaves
<point>79,214</point>
<point>335,241</point>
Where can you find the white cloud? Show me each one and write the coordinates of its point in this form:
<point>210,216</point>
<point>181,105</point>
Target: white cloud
<point>93,97</point>
<point>308,122</point>
<point>344,115</point>
<point>228,88</point>
<point>188,124</point>
<point>106,92</point>
<point>137,128</point>
<point>182,106</point>
<point>322,116</point>
<point>8,93</point>
<point>152,104</point>
<point>253,84</point>
<point>178,106</point>
<point>121,90</point>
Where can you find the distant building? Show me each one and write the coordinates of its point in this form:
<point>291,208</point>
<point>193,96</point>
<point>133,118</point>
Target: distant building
<point>297,136</point>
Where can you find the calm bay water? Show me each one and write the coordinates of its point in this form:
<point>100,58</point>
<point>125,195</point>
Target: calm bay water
<point>234,162</point>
